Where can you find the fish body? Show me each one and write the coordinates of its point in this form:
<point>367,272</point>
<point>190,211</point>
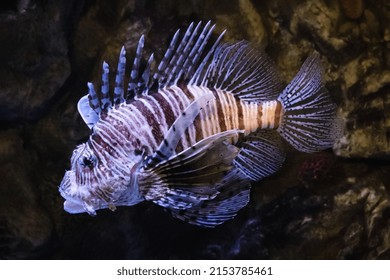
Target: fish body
<point>193,134</point>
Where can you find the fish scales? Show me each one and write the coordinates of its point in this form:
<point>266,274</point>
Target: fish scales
<point>193,134</point>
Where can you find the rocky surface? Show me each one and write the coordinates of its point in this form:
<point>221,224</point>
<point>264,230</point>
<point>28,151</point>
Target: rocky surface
<point>330,205</point>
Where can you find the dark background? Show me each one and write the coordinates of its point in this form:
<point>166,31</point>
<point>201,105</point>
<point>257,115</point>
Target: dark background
<point>329,205</point>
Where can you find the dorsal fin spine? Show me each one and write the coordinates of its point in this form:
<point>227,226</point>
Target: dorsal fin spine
<point>180,65</point>
<point>184,59</point>
<point>146,73</point>
<point>119,79</point>
<point>93,98</point>
<point>196,51</point>
<point>158,75</point>
<point>173,63</point>
<point>198,73</point>
<point>138,56</point>
<point>105,100</point>
<point>135,69</point>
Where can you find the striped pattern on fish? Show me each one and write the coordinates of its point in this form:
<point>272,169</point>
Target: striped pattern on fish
<point>194,133</point>
<point>151,116</point>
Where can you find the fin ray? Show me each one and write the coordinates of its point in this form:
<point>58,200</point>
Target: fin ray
<point>181,59</point>
<point>309,119</point>
<point>105,88</point>
<point>120,76</point>
<point>244,71</point>
<point>158,76</point>
<point>233,195</point>
<point>261,154</point>
<point>133,89</point>
<point>169,178</point>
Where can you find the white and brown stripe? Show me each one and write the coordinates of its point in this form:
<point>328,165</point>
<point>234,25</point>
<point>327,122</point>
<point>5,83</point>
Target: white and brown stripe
<point>143,123</point>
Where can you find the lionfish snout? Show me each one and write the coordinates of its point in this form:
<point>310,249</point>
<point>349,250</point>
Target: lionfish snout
<point>75,196</point>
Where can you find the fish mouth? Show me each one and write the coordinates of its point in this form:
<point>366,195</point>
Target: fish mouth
<point>78,199</point>
<point>74,202</point>
<point>73,207</point>
<point>66,185</point>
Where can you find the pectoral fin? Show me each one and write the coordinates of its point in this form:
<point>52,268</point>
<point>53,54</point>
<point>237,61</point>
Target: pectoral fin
<point>191,176</point>
<point>233,195</point>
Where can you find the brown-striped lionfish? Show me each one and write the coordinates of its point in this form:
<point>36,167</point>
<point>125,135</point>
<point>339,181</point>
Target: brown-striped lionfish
<point>193,134</point>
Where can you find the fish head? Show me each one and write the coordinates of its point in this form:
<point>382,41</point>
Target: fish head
<point>98,181</point>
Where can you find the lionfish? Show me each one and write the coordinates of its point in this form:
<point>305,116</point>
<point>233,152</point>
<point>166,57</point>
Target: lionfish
<point>194,133</point>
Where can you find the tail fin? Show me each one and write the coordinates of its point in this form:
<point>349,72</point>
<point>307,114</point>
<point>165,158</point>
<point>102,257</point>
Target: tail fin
<point>309,121</point>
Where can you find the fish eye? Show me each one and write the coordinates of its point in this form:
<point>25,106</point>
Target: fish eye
<point>138,152</point>
<point>88,161</point>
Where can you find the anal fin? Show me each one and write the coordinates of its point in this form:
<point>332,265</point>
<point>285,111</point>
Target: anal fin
<point>261,154</point>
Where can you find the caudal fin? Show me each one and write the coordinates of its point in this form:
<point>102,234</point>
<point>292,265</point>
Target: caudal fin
<point>309,122</point>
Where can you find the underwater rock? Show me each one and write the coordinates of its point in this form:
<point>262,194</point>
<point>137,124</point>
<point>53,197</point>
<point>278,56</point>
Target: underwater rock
<point>25,227</point>
<point>366,108</point>
<point>249,240</point>
<point>34,61</point>
<point>11,143</point>
<point>372,199</point>
<point>332,218</point>
<point>353,9</point>
<point>370,27</point>
<point>315,20</point>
